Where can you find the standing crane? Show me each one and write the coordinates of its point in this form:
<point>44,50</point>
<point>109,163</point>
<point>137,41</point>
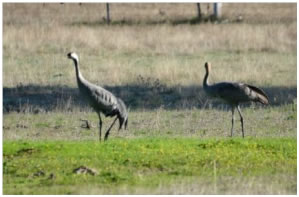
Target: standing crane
<point>101,100</point>
<point>234,94</point>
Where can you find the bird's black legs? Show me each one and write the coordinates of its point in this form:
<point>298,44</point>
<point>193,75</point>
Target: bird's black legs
<point>239,110</point>
<point>233,120</point>
<point>107,132</point>
<point>100,127</point>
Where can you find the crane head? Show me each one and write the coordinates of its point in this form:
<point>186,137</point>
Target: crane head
<point>73,56</point>
<point>208,66</point>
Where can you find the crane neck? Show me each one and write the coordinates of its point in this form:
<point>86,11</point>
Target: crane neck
<point>79,76</point>
<point>206,79</point>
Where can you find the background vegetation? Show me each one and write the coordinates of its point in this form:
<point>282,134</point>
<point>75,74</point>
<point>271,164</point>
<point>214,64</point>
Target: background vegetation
<point>152,56</point>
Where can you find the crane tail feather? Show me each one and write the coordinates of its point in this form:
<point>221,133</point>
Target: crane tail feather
<point>261,95</point>
<point>262,99</point>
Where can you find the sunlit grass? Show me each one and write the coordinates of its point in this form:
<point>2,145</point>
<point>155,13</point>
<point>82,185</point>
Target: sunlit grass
<point>143,161</point>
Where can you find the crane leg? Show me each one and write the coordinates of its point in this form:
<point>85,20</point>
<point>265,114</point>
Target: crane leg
<point>107,132</point>
<point>233,120</point>
<point>239,110</point>
<point>100,127</point>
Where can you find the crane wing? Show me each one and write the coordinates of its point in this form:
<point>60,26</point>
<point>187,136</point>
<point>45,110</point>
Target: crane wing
<point>239,92</point>
<point>231,92</point>
<point>104,97</point>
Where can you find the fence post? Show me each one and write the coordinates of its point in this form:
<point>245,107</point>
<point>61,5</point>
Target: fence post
<point>217,10</point>
<point>198,11</point>
<point>108,13</point>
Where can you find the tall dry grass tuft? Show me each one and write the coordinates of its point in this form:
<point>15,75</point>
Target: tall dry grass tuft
<point>36,38</point>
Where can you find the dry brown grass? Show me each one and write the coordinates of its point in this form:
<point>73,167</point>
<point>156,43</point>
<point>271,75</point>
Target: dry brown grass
<point>259,185</point>
<point>36,38</point>
<point>54,13</point>
<point>201,123</point>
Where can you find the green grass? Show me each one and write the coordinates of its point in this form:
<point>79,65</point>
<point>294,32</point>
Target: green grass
<point>143,162</point>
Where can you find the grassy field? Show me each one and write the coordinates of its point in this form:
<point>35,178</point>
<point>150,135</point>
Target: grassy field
<point>200,123</point>
<point>151,56</point>
<point>151,162</point>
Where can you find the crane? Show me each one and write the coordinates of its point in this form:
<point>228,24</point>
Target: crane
<point>101,100</point>
<point>233,93</point>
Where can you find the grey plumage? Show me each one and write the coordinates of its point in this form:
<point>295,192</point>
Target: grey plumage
<point>234,94</point>
<point>101,100</point>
